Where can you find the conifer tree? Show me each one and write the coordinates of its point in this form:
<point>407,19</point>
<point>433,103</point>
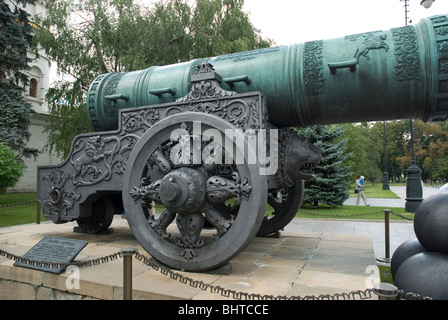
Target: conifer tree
<point>331,179</point>
<point>15,41</point>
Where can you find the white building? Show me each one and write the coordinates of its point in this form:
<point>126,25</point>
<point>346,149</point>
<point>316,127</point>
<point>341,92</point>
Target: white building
<point>39,76</point>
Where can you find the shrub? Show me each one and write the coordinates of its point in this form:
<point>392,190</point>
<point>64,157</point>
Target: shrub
<point>11,168</point>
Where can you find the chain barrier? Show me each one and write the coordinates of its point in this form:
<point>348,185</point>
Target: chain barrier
<point>79,264</point>
<point>354,295</point>
<point>401,216</point>
<point>352,215</point>
<point>367,294</point>
<point>17,204</point>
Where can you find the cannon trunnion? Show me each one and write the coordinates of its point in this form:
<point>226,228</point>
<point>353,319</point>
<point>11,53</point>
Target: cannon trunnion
<point>207,143</point>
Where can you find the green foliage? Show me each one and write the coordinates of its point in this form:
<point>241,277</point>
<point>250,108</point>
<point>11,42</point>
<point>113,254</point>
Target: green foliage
<point>329,185</point>
<point>15,112</point>
<point>430,146</point>
<point>86,38</point>
<point>365,151</point>
<point>11,168</point>
<point>68,119</point>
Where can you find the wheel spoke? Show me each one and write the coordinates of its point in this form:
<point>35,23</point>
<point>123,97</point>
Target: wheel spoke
<point>160,225</point>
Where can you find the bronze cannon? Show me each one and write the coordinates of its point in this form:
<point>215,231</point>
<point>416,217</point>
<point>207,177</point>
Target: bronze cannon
<point>209,142</point>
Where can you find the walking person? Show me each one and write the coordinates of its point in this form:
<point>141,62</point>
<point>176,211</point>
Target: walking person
<point>360,187</point>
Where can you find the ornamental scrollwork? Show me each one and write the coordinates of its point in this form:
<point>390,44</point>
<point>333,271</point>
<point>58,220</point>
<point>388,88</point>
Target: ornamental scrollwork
<point>406,52</point>
<point>60,200</point>
<point>205,87</point>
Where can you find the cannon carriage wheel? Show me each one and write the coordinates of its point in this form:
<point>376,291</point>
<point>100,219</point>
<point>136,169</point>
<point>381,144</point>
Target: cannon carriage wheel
<point>284,209</point>
<point>102,218</point>
<point>189,193</point>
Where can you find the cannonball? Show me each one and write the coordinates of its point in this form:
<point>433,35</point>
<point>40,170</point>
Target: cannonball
<point>431,223</point>
<point>404,251</point>
<point>424,274</point>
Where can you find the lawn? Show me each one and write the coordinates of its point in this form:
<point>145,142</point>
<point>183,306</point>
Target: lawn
<point>18,208</point>
<point>374,191</point>
<point>351,212</point>
<point>357,212</point>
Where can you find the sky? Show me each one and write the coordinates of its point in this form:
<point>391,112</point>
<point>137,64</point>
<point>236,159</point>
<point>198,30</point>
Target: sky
<point>297,21</point>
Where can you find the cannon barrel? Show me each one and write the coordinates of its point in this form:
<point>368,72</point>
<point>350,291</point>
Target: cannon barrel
<point>400,73</point>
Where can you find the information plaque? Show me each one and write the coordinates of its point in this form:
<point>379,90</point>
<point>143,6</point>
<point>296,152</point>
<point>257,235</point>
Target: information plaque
<point>53,250</point>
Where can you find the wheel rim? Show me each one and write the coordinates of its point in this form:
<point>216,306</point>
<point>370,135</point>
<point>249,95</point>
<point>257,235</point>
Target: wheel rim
<point>101,219</point>
<point>194,249</point>
<point>284,211</point>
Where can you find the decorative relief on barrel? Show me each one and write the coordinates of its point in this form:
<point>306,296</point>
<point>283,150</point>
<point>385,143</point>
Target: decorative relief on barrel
<point>371,43</point>
<point>313,67</point>
<point>439,19</point>
<point>440,25</point>
<point>110,106</point>
<point>91,100</point>
<point>441,31</point>
<point>406,53</point>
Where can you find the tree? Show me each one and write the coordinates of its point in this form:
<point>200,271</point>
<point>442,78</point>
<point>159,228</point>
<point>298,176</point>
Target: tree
<point>431,149</point>
<point>86,38</point>
<point>15,42</point>
<point>331,177</point>
<point>11,168</point>
<point>396,132</point>
<point>364,149</point>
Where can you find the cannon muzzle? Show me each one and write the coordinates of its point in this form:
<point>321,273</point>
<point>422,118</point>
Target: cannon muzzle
<point>400,73</point>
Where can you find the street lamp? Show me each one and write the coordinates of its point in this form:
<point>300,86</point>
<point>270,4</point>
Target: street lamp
<point>386,173</point>
<point>414,191</point>
<point>426,3</point>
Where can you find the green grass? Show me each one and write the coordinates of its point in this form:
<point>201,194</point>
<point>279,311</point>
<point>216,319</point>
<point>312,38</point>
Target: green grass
<point>385,274</point>
<point>351,212</point>
<point>374,191</point>
<point>18,214</point>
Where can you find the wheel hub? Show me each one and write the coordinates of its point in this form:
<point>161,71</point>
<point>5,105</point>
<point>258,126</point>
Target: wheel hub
<point>183,191</point>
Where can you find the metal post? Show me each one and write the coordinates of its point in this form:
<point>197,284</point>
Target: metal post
<point>38,213</point>
<point>386,291</point>
<point>386,231</point>
<point>385,174</point>
<point>127,272</point>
